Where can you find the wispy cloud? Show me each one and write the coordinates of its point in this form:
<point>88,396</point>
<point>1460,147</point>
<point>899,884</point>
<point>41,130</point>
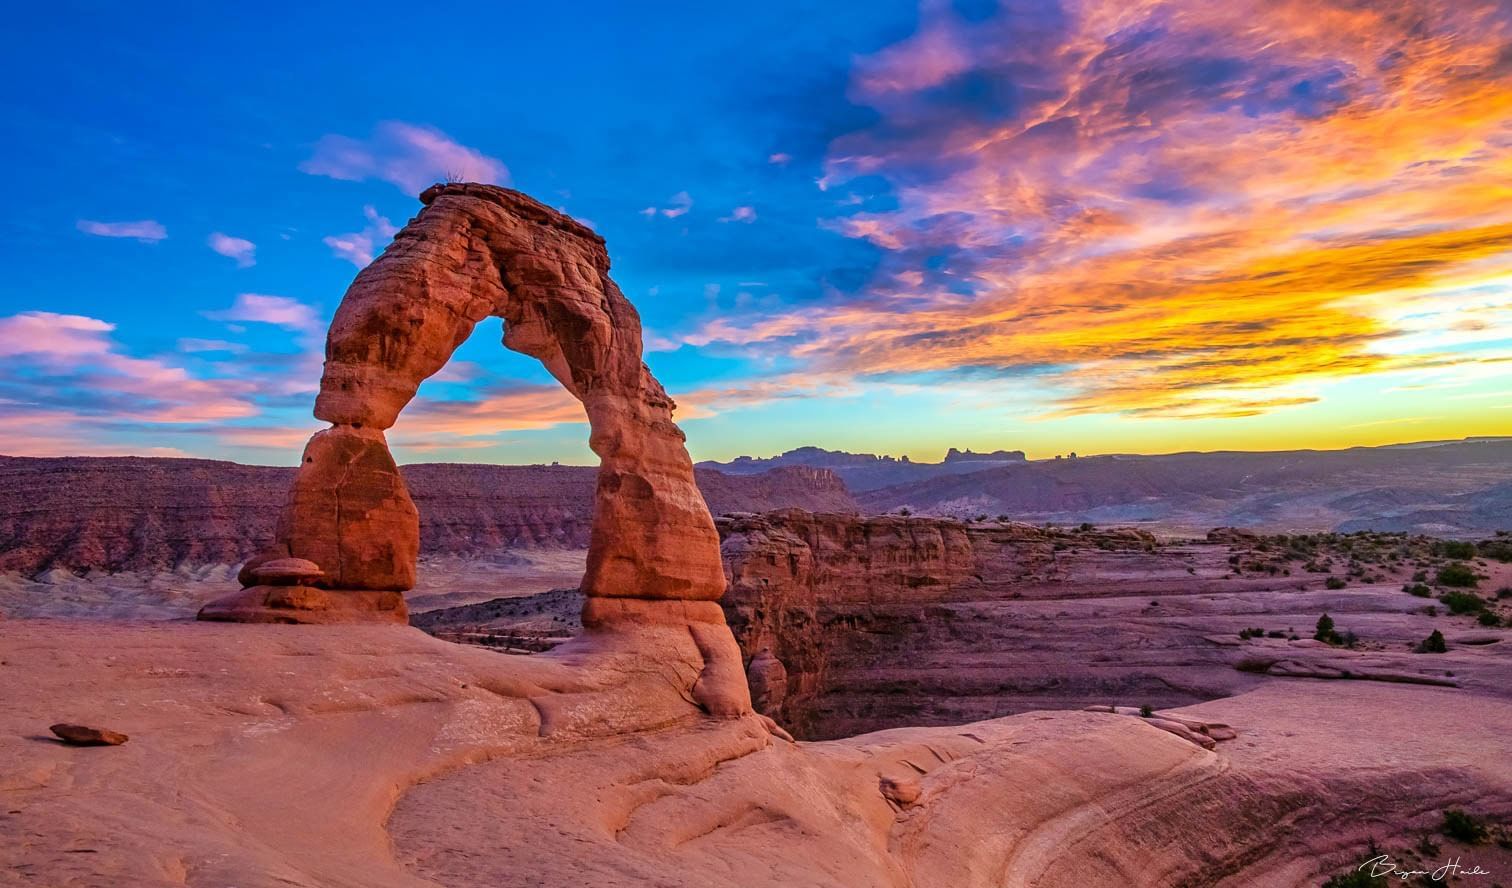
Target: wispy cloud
<point>677,205</point>
<point>408,155</point>
<point>360,247</point>
<point>194,346</point>
<point>501,407</point>
<point>280,311</point>
<point>740,214</point>
<point>240,249</point>
<point>67,386</point>
<point>145,230</point>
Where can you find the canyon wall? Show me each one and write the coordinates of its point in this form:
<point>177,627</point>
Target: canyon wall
<point>854,624</point>
<point>145,513</point>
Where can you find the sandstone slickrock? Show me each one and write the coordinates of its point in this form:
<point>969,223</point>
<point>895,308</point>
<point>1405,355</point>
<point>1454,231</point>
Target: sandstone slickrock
<point>376,757</point>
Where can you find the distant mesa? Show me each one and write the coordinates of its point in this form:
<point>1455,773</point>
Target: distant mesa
<point>868,471</point>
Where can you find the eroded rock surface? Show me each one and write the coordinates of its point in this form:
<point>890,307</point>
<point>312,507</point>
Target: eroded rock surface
<point>377,757</point>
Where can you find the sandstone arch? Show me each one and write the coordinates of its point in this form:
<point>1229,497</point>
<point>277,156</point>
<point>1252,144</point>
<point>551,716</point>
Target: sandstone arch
<point>349,536</point>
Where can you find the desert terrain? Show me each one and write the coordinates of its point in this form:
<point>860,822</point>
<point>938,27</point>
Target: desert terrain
<point>357,674</point>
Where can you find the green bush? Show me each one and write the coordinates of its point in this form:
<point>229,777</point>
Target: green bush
<point>1325,630</point>
<point>1334,583</point>
<point>1499,549</point>
<point>1433,644</point>
<point>1421,590</point>
<point>1460,549</point>
<point>1458,575</point>
<point>1463,827</point>
<point>1146,710</point>
<point>1463,602</point>
<point>1420,577</point>
<point>1489,618</point>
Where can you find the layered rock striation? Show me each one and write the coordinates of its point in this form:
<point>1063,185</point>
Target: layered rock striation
<point>154,513</point>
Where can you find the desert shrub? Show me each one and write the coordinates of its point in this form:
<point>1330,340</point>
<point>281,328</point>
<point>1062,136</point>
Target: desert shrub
<point>1421,590</point>
<point>1146,710</point>
<point>1334,583</point>
<point>1085,526</point>
<point>1459,575</point>
<point>1499,549</point>
<point>1504,592</point>
<point>905,511</point>
<point>1420,577</point>
<point>1463,827</point>
<point>1489,618</point>
<point>1427,847</point>
<point>1325,630</point>
<point>1460,549</point>
<point>1433,644</point>
<point>1462,602</point>
<point>1275,633</point>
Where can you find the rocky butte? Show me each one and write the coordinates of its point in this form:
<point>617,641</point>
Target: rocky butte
<point>266,752</point>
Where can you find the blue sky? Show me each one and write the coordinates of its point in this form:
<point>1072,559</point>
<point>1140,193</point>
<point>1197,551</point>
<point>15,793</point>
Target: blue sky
<point>889,227</point>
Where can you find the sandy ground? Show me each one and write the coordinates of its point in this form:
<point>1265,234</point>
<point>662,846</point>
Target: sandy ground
<point>378,756</point>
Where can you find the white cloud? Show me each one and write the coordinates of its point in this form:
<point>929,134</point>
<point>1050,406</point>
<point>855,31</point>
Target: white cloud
<point>360,247</point>
<point>404,154</point>
<point>280,311</point>
<point>677,205</point>
<point>145,230</point>
<point>240,249</point>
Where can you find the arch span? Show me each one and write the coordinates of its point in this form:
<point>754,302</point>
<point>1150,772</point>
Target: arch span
<point>476,251</point>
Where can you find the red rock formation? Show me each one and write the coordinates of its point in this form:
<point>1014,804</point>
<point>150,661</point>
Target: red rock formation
<point>478,251</point>
<point>474,252</point>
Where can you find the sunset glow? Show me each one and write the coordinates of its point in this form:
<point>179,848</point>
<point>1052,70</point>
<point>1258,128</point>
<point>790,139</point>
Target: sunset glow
<point>1050,225</point>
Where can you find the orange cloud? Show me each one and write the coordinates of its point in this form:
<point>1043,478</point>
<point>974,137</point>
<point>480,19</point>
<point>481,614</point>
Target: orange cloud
<point>1177,208</point>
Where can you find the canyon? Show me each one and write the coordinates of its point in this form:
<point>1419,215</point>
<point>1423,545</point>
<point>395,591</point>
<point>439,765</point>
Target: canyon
<point>116,514</point>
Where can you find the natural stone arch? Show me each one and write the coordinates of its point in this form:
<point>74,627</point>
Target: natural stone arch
<point>473,252</point>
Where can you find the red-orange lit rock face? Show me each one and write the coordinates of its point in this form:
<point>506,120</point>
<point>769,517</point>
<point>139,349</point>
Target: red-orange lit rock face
<point>474,252</point>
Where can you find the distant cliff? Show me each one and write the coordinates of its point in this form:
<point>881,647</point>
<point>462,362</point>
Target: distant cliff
<point>132,513</point>
<point>868,471</point>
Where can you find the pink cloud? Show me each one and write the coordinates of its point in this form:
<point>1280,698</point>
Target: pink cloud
<point>72,388</point>
<point>508,407</point>
<point>404,154</point>
<point>146,230</point>
<point>43,333</point>
<point>740,214</point>
<point>240,249</point>
<point>779,158</point>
